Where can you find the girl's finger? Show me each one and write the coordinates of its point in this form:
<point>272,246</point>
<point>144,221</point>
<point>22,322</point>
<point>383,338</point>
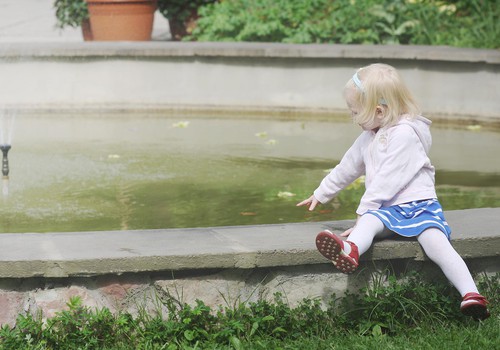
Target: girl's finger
<point>347,232</point>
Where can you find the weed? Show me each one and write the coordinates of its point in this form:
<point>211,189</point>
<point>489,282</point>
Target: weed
<point>391,310</point>
<point>393,306</point>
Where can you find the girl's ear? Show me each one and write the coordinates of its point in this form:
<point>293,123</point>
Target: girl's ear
<point>379,112</point>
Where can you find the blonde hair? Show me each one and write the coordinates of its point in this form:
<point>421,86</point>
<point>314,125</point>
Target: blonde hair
<point>380,86</point>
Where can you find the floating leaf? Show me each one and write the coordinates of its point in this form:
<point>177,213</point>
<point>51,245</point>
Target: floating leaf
<point>474,127</point>
<point>183,124</point>
<point>325,211</point>
<point>262,134</point>
<point>113,156</point>
<point>285,194</point>
<point>248,213</point>
<point>272,142</point>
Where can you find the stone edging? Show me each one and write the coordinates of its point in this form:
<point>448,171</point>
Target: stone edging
<point>55,255</point>
<point>269,50</point>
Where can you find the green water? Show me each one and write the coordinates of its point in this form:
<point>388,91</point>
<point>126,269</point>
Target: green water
<point>110,172</point>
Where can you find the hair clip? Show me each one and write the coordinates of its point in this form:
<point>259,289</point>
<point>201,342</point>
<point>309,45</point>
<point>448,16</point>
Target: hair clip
<point>357,82</point>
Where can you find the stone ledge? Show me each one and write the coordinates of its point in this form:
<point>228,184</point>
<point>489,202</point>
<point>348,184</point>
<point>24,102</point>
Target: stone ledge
<point>154,50</point>
<point>238,76</point>
<point>76,254</point>
<point>221,266</point>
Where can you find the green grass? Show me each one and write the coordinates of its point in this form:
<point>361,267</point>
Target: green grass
<point>393,313</point>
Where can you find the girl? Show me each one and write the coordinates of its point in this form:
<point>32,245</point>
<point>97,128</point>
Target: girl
<point>400,198</point>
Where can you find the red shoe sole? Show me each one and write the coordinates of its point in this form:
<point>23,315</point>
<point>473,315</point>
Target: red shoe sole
<point>330,246</point>
<point>474,305</point>
<point>477,311</point>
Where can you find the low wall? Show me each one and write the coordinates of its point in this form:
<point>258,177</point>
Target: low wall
<point>126,270</point>
<point>446,81</point>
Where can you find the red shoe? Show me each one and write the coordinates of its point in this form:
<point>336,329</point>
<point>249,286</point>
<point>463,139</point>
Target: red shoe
<point>474,304</point>
<point>332,248</point>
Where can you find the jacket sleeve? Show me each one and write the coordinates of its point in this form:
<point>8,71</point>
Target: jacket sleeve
<point>349,169</point>
<point>399,163</point>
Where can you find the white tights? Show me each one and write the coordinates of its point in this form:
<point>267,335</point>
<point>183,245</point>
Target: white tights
<point>434,243</point>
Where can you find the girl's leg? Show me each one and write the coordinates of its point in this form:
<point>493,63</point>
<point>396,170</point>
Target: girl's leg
<point>440,251</point>
<point>366,230</point>
<point>345,256</point>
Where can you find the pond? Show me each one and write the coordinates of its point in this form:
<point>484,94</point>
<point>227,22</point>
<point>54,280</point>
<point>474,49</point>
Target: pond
<point>131,171</point>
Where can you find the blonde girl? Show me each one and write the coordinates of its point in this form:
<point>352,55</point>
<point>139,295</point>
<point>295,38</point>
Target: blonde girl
<point>400,196</point>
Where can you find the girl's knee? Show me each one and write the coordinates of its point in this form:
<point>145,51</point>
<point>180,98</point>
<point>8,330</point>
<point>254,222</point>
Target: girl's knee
<point>435,243</point>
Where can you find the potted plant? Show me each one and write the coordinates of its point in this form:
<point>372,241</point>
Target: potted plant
<point>181,15</point>
<point>130,20</point>
<point>73,13</point>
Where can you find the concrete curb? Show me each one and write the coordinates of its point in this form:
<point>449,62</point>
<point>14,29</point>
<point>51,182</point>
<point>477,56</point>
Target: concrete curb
<point>475,235</point>
<point>269,50</point>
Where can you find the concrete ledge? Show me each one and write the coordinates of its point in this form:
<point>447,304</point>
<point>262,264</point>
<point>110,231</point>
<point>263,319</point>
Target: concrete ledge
<point>131,270</point>
<point>475,235</point>
<point>447,82</point>
<point>269,50</point>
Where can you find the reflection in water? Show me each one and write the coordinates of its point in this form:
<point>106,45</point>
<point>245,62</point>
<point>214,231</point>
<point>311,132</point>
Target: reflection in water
<point>125,204</point>
<point>75,173</point>
<point>7,118</point>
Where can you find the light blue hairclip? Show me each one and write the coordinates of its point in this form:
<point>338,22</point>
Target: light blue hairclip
<point>357,82</point>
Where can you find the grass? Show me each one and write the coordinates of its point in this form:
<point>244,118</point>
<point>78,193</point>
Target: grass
<point>393,313</point>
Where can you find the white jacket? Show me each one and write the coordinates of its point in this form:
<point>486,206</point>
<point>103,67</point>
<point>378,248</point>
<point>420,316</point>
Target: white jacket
<point>396,164</point>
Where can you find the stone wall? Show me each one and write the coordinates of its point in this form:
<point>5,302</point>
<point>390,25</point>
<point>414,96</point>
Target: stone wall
<point>133,270</point>
<point>461,83</point>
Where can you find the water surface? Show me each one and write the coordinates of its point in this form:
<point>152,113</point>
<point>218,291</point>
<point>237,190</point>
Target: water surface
<point>140,171</point>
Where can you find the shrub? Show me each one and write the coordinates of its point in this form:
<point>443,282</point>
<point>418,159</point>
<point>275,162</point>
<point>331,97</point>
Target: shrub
<point>70,12</point>
<point>389,307</point>
<point>474,23</point>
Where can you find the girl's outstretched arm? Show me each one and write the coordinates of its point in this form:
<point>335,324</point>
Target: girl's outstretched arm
<point>311,202</point>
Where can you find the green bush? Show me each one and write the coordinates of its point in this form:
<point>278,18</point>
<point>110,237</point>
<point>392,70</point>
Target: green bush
<point>406,310</point>
<point>70,12</point>
<point>181,15</point>
<point>474,23</point>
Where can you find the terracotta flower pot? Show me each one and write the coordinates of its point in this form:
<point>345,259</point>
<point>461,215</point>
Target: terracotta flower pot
<point>116,20</point>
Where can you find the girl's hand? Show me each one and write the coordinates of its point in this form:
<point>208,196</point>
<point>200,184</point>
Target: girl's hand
<point>348,231</point>
<point>311,202</point>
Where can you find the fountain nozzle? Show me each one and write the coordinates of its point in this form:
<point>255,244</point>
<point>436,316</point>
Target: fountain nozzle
<point>5,160</point>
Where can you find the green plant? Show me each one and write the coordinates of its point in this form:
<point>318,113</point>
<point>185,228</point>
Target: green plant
<point>389,305</point>
<point>477,23</point>
<point>390,313</point>
<point>431,22</point>
<point>70,12</point>
<point>181,15</point>
<point>393,25</point>
<point>264,20</point>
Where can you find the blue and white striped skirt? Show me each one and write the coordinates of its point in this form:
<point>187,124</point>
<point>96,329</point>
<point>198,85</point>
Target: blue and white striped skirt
<point>411,219</point>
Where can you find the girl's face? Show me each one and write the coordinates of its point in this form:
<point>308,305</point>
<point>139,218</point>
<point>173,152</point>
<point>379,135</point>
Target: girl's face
<point>351,103</point>
<point>374,124</point>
